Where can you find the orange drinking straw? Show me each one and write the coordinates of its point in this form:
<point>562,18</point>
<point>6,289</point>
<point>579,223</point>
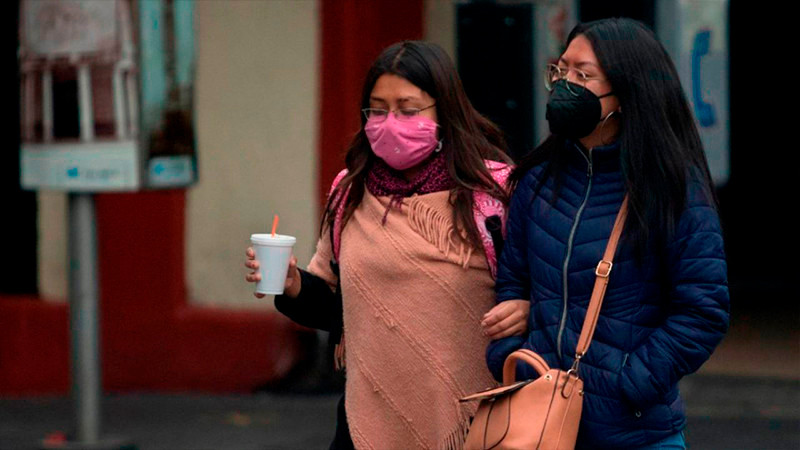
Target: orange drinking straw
<point>274,225</point>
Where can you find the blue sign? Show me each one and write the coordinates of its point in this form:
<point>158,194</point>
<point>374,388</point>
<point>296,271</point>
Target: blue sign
<point>702,109</point>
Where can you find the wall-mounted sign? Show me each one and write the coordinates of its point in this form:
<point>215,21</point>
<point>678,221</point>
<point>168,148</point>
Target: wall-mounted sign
<point>695,33</point>
<point>107,94</point>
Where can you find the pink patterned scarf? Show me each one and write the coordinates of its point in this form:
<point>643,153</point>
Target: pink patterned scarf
<point>383,180</point>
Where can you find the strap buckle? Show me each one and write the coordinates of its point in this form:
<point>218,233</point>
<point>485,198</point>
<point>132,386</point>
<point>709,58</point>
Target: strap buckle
<point>574,369</point>
<point>603,269</point>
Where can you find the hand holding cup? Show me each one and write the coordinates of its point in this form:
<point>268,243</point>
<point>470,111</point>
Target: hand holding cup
<point>292,285</point>
<point>274,267</point>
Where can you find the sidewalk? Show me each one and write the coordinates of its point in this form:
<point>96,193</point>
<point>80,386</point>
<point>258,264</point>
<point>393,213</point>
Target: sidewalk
<point>182,422</point>
<point>725,412</point>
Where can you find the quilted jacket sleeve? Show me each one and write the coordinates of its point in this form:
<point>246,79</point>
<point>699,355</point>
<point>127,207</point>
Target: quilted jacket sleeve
<point>699,307</point>
<point>513,276</point>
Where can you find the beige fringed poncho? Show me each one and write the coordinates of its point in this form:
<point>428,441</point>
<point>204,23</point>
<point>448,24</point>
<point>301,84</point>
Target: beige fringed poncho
<point>413,296</point>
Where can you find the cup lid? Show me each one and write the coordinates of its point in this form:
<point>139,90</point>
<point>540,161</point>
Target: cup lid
<point>269,239</point>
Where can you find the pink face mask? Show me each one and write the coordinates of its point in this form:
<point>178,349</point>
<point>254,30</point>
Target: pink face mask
<point>403,144</point>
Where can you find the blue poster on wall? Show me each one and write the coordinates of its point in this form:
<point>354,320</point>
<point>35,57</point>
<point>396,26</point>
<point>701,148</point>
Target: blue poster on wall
<point>167,58</point>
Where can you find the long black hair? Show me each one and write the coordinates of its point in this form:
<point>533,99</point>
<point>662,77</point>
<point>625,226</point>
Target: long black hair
<point>660,147</point>
<point>468,137</point>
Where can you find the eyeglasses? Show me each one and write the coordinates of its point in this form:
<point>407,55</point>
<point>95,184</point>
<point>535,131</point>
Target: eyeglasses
<point>554,73</point>
<point>402,114</point>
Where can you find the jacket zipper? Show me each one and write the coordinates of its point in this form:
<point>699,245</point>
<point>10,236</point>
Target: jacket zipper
<point>563,322</point>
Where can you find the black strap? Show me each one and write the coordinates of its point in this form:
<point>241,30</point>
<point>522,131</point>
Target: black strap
<point>495,227</point>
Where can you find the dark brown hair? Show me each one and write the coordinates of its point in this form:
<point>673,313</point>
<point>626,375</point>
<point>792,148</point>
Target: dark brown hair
<point>468,137</point>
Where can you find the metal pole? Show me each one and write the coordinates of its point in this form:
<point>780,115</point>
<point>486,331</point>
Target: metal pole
<point>83,299</point>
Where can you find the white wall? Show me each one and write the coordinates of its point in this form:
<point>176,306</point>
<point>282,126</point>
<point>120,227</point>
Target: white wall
<point>52,245</point>
<point>257,121</point>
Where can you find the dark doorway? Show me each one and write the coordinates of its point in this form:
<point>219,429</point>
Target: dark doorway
<point>753,204</point>
<point>495,62</point>
<point>18,266</point>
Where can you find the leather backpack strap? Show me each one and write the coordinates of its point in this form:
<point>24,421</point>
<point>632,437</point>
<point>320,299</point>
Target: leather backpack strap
<point>602,272</point>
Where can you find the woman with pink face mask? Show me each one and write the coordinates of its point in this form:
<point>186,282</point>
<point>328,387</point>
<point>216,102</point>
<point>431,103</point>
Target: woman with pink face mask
<point>403,270</point>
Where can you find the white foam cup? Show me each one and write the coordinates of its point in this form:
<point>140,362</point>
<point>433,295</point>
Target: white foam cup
<point>272,253</point>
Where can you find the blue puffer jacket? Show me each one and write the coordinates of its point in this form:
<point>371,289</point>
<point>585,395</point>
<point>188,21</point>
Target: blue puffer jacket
<point>660,319</point>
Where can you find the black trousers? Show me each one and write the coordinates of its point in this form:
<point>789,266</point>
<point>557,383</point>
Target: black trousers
<point>342,439</point>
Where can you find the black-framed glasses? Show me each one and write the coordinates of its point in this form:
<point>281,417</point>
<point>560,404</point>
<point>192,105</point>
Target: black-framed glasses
<point>554,73</point>
<point>402,114</point>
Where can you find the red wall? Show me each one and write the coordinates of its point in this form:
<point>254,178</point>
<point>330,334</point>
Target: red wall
<point>34,347</point>
<point>353,34</point>
<point>152,339</point>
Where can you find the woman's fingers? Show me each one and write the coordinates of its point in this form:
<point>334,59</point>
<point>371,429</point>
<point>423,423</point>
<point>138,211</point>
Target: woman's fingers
<point>507,318</point>
<point>504,328</point>
<point>293,282</point>
<point>493,316</point>
<point>515,330</point>
<point>291,272</point>
<point>253,277</point>
<point>499,312</point>
<point>252,264</point>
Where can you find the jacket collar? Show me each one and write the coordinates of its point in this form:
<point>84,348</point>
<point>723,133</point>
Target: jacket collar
<point>604,158</point>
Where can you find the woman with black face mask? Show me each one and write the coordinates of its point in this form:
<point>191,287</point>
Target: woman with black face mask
<point>621,128</point>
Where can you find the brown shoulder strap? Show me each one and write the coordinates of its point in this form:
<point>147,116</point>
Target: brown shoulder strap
<point>601,282</point>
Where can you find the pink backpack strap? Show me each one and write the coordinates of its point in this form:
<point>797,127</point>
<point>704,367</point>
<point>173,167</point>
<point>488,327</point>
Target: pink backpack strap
<point>336,235</point>
<point>486,206</point>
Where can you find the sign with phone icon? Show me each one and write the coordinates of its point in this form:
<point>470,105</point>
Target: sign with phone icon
<point>695,33</point>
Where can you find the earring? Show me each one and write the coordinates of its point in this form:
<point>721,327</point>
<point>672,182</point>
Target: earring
<point>602,125</point>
